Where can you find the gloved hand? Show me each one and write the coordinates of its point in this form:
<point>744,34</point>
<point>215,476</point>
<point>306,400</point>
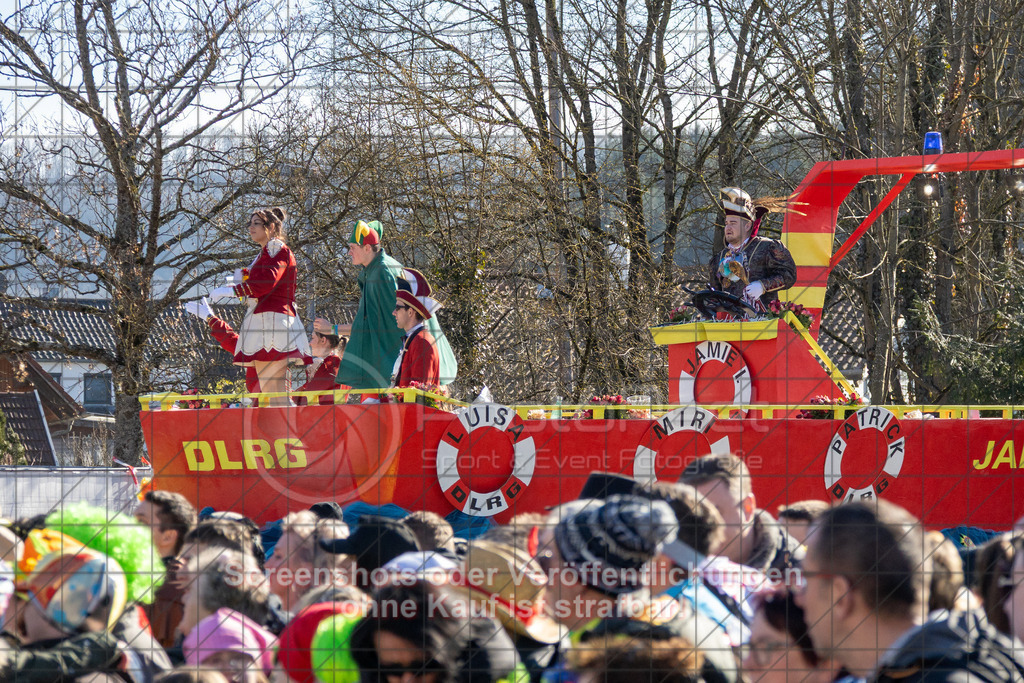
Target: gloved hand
<point>236,278</point>
<point>220,293</point>
<point>754,290</point>
<point>200,309</point>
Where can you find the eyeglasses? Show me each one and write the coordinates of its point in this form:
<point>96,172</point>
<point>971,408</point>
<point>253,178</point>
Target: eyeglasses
<point>800,585</point>
<point>764,653</point>
<point>401,307</point>
<point>415,669</point>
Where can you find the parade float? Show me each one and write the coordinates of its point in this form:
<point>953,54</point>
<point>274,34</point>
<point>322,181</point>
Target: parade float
<point>735,386</point>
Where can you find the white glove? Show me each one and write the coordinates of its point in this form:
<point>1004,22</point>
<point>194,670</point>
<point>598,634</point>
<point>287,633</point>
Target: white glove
<point>200,309</point>
<point>222,293</point>
<point>236,278</point>
<point>754,290</point>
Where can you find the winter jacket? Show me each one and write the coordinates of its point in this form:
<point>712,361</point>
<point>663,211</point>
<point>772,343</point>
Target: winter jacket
<point>765,260</point>
<point>958,647</point>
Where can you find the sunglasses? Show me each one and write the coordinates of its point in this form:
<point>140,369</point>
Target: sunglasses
<point>401,307</point>
<point>415,669</point>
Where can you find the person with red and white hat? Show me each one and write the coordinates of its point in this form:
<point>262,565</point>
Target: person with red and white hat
<point>418,359</point>
<point>751,267</point>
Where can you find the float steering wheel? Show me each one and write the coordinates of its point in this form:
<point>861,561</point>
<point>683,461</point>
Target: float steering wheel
<point>710,302</point>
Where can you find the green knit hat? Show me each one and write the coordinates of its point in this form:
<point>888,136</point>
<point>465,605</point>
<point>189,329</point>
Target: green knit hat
<point>364,233</point>
<point>331,652</point>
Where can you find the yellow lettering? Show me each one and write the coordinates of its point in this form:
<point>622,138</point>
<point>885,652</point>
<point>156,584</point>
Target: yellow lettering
<point>297,459</point>
<point>988,456</point>
<point>1005,456</point>
<point>222,457</point>
<point>257,447</point>
<point>194,448</point>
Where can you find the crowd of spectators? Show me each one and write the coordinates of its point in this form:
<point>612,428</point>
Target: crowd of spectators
<point>629,583</point>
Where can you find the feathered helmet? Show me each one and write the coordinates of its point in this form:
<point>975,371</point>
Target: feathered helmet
<point>736,202</point>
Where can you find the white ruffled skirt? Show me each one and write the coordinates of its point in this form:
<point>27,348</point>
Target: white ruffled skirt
<point>268,337</point>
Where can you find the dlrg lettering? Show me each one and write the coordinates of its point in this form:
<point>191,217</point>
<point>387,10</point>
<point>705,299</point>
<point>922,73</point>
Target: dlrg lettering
<point>206,456</point>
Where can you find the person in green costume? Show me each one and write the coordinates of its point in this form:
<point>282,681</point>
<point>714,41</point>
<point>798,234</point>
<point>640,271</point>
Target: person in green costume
<point>374,336</point>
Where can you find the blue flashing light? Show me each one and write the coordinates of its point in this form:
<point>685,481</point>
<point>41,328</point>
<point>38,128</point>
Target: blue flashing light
<point>933,142</point>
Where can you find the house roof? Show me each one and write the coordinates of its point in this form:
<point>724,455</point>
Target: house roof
<point>24,414</point>
<point>173,329</point>
<point>20,372</point>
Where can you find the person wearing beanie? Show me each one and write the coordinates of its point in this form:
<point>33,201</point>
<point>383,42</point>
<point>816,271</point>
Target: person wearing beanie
<point>418,360</point>
<point>73,602</point>
<point>750,267</point>
<point>599,554</point>
<point>294,647</point>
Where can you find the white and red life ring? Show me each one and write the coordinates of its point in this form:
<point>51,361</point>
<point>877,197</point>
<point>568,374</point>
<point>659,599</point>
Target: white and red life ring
<point>870,417</point>
<point>451,447</point>
<point>721,352</point>
<point>686,419</point>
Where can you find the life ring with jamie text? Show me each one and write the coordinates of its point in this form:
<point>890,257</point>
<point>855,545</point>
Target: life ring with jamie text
<point>725,353</point>
<point>454,445</point>
<point>870,417</point>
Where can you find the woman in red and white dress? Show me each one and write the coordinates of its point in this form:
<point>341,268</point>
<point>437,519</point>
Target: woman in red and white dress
<point>271,336</point>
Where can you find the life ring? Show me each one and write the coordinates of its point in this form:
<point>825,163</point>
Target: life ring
<point>869,417</point>
<point>723,352</point>
<point>686,419</point>
<point>450,449</point>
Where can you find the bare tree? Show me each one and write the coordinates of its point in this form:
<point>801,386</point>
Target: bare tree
<point>132,165</point>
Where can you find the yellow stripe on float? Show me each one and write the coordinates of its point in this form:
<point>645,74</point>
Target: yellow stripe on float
<point>809,248</point>
<point>808,297</point>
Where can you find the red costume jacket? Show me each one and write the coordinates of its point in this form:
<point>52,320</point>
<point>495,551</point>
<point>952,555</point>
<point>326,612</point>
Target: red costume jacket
<point>322,380</point>
<point>271,280</point>
<point>420,362</point>
<point>228,340</point>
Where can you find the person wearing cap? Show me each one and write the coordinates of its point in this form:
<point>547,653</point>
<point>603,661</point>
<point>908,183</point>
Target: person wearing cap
<point>414,282</point>
<point>751,267</point>
<point>327,350</point>
<point>507,582</point>
<point>418,360</point>
<point>374,542</point>
<point>374,337</point>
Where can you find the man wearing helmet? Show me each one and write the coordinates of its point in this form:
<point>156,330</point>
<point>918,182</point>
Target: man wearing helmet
<point>750,267</point>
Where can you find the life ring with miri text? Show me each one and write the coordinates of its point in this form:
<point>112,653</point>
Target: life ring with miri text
<point>454,444</point>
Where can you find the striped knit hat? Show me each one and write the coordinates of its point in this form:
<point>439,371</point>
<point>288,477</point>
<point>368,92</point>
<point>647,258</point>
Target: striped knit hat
<point>610,542</point>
